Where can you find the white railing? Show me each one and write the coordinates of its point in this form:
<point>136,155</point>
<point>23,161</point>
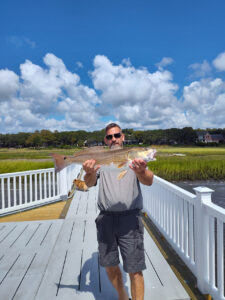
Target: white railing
<point>194,227</point>
<point>22,190</point>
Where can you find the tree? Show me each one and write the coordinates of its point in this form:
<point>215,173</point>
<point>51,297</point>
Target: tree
<point>34,140</point>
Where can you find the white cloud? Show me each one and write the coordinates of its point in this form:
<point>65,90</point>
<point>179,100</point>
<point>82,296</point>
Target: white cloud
<point>200,69</point>
<point>219,62</point>
<point>136,95</point>
<point>165,61</point>
<point>44,95</point>
<point>53,97</point>
<point>9,84</point>
<point>204,102</point>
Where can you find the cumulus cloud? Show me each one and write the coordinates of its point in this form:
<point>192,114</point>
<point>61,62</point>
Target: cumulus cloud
<point>204,103</point>
<point>219,62</point>
<point>45,96</point>
<point>53,97</point>
<point>200,69</point>
<point>136,95</point>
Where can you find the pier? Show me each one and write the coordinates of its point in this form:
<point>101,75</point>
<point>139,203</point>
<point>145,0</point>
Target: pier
<point>58,259</point>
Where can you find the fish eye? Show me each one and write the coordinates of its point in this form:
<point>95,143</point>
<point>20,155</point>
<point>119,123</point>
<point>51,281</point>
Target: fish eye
<point>64,157</point>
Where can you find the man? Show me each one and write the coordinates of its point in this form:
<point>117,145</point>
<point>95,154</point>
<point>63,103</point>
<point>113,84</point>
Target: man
<point>119,223</point>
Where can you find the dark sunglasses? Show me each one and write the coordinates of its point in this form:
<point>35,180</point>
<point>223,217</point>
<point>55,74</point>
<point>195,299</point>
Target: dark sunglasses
<point>116,135</point>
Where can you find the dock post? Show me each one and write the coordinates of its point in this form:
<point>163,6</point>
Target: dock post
<point>63,183</point>
<point>201,236</point>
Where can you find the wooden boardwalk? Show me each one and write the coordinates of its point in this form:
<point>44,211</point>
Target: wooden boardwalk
<point>58,259</point>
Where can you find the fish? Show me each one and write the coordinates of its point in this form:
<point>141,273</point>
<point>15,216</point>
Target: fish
<point>108,159</point>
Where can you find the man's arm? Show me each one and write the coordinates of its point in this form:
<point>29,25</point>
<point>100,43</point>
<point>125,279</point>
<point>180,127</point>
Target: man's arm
<point>90,177</point>
<point>144,175</point>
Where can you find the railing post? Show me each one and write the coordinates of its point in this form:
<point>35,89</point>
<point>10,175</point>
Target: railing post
<point>203,197</point>
<point>63,182</point>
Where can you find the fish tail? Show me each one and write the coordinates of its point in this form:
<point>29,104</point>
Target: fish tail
<point>60,162</point>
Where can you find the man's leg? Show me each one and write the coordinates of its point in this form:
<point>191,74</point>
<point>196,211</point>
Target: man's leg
<point>137,285</point>
<point>116,278</point>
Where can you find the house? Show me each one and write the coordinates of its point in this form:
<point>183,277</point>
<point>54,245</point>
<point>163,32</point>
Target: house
<point>214,138</point>
<point>206,137</point>
<point>201,136</point>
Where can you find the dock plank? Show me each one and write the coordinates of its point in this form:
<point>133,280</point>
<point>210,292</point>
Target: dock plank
<point>168,286</point>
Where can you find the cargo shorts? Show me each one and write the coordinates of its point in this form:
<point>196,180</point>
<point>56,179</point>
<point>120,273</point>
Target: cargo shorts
<point>122,231</point>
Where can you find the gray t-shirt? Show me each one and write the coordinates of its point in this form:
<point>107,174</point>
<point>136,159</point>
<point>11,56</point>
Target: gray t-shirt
<point>119,195</point>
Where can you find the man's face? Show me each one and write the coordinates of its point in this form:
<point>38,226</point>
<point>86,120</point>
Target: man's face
<point>113,141</point>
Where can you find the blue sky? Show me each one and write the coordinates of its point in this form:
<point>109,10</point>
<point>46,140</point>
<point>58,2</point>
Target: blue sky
<point>70,65</point>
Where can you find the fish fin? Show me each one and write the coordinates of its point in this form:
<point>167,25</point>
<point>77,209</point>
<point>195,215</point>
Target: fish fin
<point>121,174</point>
<point>121,165</point>
<point>60,161</point>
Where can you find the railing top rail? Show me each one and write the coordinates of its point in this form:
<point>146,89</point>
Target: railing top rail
<point>5,175</point>
<point>215,211</point>
<point>176,189</point>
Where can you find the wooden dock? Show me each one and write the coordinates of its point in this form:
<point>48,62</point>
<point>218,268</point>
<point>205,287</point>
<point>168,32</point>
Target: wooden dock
<point>58,259</point>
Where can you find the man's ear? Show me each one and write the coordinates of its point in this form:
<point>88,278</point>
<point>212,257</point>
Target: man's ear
<point>105,140</point>
<point>123,137</point>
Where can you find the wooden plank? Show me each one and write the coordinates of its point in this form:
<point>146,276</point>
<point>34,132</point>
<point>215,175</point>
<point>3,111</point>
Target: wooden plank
<point>17,269</point>
<point>6,229</point>
<point>25,230</point>
<point>82,208</point>
<point>89,281</point>
<point>170,287</point>
<point>92,201</point>
<point>13,234</point>
<point>35,235</point>
<point>46,233</point>
<point>34,275</point>
<point>67,254</point>
<point>71,213</point>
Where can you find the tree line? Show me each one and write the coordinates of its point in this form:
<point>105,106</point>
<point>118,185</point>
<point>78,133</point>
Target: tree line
<point>47,138</point>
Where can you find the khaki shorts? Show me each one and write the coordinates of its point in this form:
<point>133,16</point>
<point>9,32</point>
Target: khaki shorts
<point>124,231</point>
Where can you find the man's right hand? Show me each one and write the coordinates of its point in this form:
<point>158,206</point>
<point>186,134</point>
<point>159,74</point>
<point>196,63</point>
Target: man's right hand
<point>89,167</point>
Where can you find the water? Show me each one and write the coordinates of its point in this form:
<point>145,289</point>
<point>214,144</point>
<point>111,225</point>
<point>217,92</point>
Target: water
<point>218,197</point>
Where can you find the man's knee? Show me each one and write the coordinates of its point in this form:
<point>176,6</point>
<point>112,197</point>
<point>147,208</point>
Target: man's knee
<point>136,275</point>
<point>112,269</point>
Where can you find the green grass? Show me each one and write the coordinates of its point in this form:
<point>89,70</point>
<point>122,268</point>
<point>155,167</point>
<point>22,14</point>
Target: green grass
<point>32,153</point>
<point>189,168</point>
<point>193,151</point>
<point>24,165</point>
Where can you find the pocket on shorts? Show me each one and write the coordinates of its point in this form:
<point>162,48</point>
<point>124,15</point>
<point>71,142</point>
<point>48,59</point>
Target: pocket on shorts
<point>140,224</point>
<point>98,219</point>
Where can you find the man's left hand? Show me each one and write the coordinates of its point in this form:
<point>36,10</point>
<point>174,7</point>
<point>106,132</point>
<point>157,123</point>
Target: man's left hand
<point>138,166</point>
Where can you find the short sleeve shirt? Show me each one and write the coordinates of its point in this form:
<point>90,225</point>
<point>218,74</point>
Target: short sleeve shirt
<point>118,195</point>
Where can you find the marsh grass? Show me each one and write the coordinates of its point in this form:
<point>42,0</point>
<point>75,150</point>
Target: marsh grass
<point>192,151</point>
<point>32,153</point>
<point>11,166</point>
<point>189,168</point>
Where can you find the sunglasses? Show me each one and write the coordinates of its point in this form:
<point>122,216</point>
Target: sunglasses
<point>116,135</point>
